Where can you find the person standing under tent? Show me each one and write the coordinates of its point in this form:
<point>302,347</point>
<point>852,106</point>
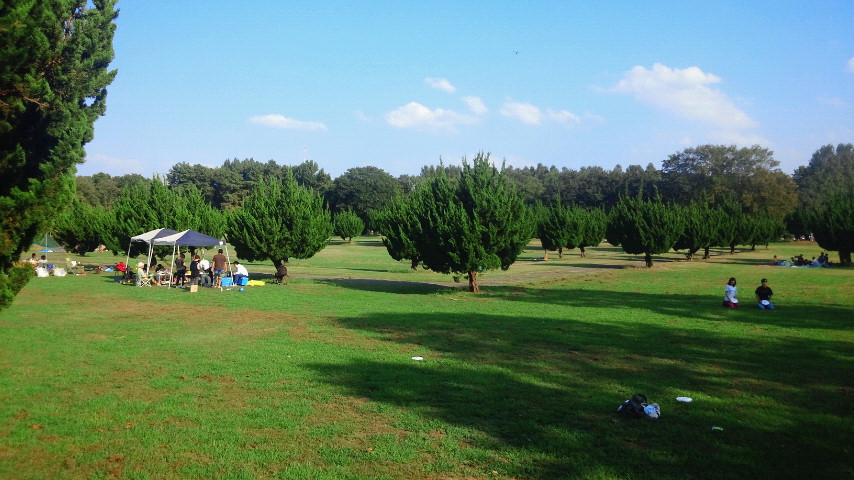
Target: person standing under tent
<point>194,270</point>
<point>180,270</point>
<point>219,262</point>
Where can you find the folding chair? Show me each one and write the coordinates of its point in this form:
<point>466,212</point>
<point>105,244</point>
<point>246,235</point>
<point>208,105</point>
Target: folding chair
<point>142,279</point>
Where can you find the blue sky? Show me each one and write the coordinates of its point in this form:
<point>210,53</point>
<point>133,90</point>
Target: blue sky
<point>399,84</point>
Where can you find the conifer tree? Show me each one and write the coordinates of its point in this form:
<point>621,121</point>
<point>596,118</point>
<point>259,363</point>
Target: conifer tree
<point>645,227</point>
<point>53,78</point>
<point>279,220</point>
<point>397,225</point>
<point>478,223</point>
<point>832,224</point>
<point>701,229</point>
<point>592,223</point>
<point>555,227</point>
<point>79,228</point>
<point>347,225</point>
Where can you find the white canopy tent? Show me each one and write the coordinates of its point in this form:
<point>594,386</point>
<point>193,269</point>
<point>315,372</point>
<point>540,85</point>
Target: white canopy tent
<point>190,238</point>
<point>149,237</point>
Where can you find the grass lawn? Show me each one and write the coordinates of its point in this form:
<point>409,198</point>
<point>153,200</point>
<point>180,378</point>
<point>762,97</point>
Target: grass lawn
<point>315,379</point>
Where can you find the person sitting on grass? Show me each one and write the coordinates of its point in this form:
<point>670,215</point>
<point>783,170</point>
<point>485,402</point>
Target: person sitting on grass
<point>281,273</point>
<point>240,272</point>
<point>763,296</point>
<point>729,294</point>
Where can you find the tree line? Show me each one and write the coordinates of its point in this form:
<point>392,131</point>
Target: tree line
<point>474,217</point>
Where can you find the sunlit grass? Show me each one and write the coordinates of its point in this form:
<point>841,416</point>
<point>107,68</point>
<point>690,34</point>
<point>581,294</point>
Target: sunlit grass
<point>315,379</point>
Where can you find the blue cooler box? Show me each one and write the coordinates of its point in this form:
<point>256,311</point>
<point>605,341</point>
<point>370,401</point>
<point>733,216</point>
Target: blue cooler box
<point>227,281</point>
<point>243,281</point>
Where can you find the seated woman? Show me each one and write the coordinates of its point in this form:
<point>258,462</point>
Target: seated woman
<point>729,294</point>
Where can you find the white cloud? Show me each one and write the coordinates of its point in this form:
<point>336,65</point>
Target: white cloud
<point>476,105</point>
<point>524,112</point>
<point>416,116</point>
<point>684,92</point>
<point>564,117</point>
<point>280,121</point>
<point>440,84</point>
<point>851,64</point>
<point>594,118</point>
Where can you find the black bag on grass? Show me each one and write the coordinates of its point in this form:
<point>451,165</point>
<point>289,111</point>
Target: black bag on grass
<point>634,406</point>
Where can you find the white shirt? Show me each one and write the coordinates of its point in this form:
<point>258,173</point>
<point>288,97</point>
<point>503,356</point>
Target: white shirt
<point>730,292</point>
<point>241,270</point>
<point>204,264</point>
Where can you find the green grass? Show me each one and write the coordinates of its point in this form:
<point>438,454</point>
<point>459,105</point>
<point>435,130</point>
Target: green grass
<point>315,379</point>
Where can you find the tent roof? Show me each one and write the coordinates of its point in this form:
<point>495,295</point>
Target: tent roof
<point>189,238</point>
<point>147,237</point>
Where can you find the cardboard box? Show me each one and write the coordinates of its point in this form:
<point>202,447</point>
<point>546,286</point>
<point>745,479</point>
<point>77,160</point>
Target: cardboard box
<point>194,288</point>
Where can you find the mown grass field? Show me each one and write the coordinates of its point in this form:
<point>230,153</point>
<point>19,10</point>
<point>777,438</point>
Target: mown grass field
<point>315,379</point>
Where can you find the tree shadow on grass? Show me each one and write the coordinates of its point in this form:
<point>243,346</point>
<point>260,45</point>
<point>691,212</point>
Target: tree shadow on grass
<point>546,390</point>
<point>390,286</point>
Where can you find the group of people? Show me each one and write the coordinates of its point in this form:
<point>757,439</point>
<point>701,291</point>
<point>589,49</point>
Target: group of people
<point>202,272</point>
<point>763,295</point>
<point>822,261</point>
<point>208,273</point>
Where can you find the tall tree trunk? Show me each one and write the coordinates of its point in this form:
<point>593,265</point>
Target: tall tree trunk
<point>844,257</point>
<point>559,253</point>
<point>583,254</point>
<point>473,288</point>
<point>415,262</point>
<point>648,258</point>
<point>706,252</point>
<point>545,254</point>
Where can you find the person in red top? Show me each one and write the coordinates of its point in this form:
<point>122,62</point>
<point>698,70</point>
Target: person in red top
<point>219,263</point>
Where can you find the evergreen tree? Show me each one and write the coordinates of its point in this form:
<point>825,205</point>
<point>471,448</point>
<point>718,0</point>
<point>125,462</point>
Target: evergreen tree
<point>555,227</point>
<point>701,229</point>
<point>396,224</point>
<point>479,223</point>
<point>279,220</point>
<point>592,225</point>
<point>348,225</point>
<point>645,226</point>
<point>79,228</point>
<point>53,79</point>
<point>832,224</point>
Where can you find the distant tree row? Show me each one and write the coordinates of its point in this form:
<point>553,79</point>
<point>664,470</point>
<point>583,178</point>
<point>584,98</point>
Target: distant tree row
<point>710,173</point>
<point>702,210</point>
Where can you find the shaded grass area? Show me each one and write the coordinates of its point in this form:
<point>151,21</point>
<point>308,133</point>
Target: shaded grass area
<point>315,379</point>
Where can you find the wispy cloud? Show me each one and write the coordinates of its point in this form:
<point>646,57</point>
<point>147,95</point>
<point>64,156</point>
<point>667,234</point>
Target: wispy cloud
<point>564,117</point>
<point>285,123</point>
<point>476,105</point>
<point>415,116</point>
<point>524,112</point>
<point>440,84</point>
<point>684,92</point>
<point>850,64</point>
<point>835,102</point>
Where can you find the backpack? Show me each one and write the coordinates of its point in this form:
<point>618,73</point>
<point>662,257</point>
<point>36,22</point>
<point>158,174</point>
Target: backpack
<point>634,407</point>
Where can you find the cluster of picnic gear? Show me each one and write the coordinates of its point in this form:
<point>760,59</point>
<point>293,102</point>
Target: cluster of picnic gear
<point>220,272</point>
